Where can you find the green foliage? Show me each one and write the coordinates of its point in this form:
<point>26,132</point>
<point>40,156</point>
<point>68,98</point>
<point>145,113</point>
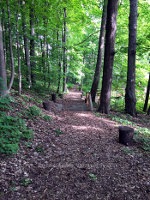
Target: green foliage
<point>26,181</point>
<point>70,85</point>
<point>58,132</point>
<point>47,118</point>
<point>5,102</point>
<point>39,149</point>
<point>93,177</point>
<point>12,130</point>
<point>34,111</point>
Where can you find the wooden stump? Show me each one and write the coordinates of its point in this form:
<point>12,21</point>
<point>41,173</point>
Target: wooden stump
<point>47,106</point>
<point>54,97</point>
<point>126,135</point>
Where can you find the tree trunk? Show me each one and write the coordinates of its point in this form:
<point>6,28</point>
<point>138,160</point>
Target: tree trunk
<point>148,112</point>
<point>18,48</point>
<point>147,95</point>
<point>32,43</point>
<point>130,98</point>
<point>3,78</point>
<point>26,48</point>
<point>11,49</point>
<point>64,53</point>
<point>109,56</point>
<point>3,28</point>
<point>59,64</point>
<point>100,53</point>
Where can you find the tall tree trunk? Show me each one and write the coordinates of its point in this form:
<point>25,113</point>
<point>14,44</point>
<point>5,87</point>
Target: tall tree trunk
<point>3,78</point>
<point>26,48</point>
<point>18,48</point>
<point>64,53</point>
<point>32,43</point>
<point>111,26</point>
<point>11,49</point>
<point>100,53</point>
<point>147,95</point>
<point>3,27</point>
<point>59,63</point>
<point>130,98</point>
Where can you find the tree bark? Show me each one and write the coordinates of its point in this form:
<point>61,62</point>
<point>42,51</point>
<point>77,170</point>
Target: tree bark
<point>59,64</point>
<point>32,42</point>
<point>100,53</point>
<point>18,48</point>
<point>26,48</point>
<point>111,26</point>
<point>64,53</point>
<point>11,49</point>
<point>130,98</point>
<point>3,28</point>
<point>147,95</point>
<point>3,78</point>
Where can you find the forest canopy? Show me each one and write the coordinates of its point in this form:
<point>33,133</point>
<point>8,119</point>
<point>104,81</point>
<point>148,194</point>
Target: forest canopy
<point>54,44</point>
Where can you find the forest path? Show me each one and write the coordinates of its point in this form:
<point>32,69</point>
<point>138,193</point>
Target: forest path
<point>75,102</point>
<point>75,156</point>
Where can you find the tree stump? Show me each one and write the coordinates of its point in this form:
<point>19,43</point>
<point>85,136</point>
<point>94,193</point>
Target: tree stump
<point>126,135</point>
<point>47,106</point>
<point>54,97</point>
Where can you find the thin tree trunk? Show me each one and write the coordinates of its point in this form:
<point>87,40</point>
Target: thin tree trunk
<point>100,53</point>
<point>64,53</point>
<point>59,63</point>
<point>32,43</point>
<point>147,95</point>
<point>111,27</point>
<point>48,64</point>
<point>26,48</point>
<point>3,28</point>
<point>18,49</point>
<point>130,98</point>
<point>11,49</point>
<point>3,78</point>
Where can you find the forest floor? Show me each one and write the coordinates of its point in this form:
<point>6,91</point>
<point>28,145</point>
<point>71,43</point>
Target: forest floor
<point>75,156</point>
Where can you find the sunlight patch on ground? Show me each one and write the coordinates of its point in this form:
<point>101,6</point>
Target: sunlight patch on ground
<point>84,114</point>
<point>86,128</point>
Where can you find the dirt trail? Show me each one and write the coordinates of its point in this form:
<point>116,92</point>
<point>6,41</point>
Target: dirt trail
<point>80,159</point>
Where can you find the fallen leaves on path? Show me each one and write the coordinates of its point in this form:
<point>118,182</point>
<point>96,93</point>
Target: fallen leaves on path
<point>75,156</point>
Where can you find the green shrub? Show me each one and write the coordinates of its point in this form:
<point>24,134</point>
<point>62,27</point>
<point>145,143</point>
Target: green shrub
<point>34,111</point>
<point>12,130</point>
<point>5,103</point>
<point>47,118</point>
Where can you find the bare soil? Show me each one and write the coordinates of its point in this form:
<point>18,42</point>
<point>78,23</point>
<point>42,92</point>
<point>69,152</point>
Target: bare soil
<point>83,162</point>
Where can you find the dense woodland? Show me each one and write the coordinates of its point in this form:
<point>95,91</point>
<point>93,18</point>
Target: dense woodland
<point>54,44</point>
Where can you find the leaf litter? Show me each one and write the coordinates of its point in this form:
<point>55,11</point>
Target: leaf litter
<point>74,156</point>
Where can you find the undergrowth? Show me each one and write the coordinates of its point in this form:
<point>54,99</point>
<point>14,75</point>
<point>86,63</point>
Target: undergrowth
<point>12,130</point>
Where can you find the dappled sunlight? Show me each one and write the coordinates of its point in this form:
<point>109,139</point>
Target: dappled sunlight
<point>86,128</point>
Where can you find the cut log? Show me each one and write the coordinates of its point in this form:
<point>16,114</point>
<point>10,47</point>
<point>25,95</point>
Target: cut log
<point>54,97</point>
<point>126,135</point>
<point>47,106</point>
